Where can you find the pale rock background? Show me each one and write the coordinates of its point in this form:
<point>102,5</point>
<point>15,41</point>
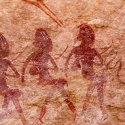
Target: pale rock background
<point>18,21</point>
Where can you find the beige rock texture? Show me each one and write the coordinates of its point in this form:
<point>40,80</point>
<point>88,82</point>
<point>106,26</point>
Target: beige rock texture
<point>18,21</point>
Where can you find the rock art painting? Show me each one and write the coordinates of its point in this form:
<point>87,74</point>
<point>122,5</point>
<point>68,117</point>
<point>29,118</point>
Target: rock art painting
<point>84,59</point>
<point>8,93</point>
<point>40,59</point>
<point>62,62</point>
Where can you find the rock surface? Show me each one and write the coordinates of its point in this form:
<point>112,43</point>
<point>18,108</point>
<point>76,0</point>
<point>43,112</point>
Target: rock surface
<point>18,21</point>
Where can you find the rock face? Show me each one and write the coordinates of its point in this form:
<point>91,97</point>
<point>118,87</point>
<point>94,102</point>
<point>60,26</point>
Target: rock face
<point>18,23</point>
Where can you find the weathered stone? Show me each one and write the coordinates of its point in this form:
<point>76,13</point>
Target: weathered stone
<point>18,21</point>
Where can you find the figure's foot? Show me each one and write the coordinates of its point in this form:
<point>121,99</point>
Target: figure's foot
<point>105,116</point>
<point>84,106</point>
<point>76,118</point>
<point>75,115</point>
<point>38,122</point>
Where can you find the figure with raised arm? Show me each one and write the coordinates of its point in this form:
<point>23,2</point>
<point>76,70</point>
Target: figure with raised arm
<point>84,58</point>
<point>8,93</point>
<point>40,59</point>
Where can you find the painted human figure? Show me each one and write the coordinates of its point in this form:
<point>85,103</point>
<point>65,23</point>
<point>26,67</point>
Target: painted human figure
<point>40,59</point>
<point>84,58</point>
<point>8,93</point>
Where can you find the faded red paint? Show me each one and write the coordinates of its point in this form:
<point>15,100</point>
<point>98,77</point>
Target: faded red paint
<point>118,71</point>
<point>118,62</point>
<point>8,93</point>
<point>40,59</point>
<point>45,9</point>
<point>84,58</point>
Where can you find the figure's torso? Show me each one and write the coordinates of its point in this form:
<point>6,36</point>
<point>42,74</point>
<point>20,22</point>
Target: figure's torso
<point>40,60</point>
<point>85,56</point>
<point>3,68</point>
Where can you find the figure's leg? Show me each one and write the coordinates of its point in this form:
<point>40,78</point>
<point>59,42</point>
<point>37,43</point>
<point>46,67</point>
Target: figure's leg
<point>101,99</point>
<point>88,95</point>
<point>100,94</point>
<point>66,97</point>
<point>19,109</point>
<point>49,96</point>
<point>5,110</point>
<point>6,102</point>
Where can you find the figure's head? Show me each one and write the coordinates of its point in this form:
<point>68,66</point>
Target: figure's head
<point>4,47</point>
<point>86,34</point>
<point>42,40</point>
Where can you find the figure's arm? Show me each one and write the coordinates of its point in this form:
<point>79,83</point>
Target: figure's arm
<point>24,67</point>
<point>67,60</point>
<point>53,62</point>
<point>100,58</point>
<point>118,71</point>
<point>16,74</point>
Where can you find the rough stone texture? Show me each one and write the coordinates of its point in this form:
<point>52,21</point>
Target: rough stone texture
<point>18,21</point>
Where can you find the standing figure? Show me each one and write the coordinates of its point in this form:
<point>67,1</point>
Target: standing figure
<point>9,94</point>
<point>84,58</point>
<point>40,59</point>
